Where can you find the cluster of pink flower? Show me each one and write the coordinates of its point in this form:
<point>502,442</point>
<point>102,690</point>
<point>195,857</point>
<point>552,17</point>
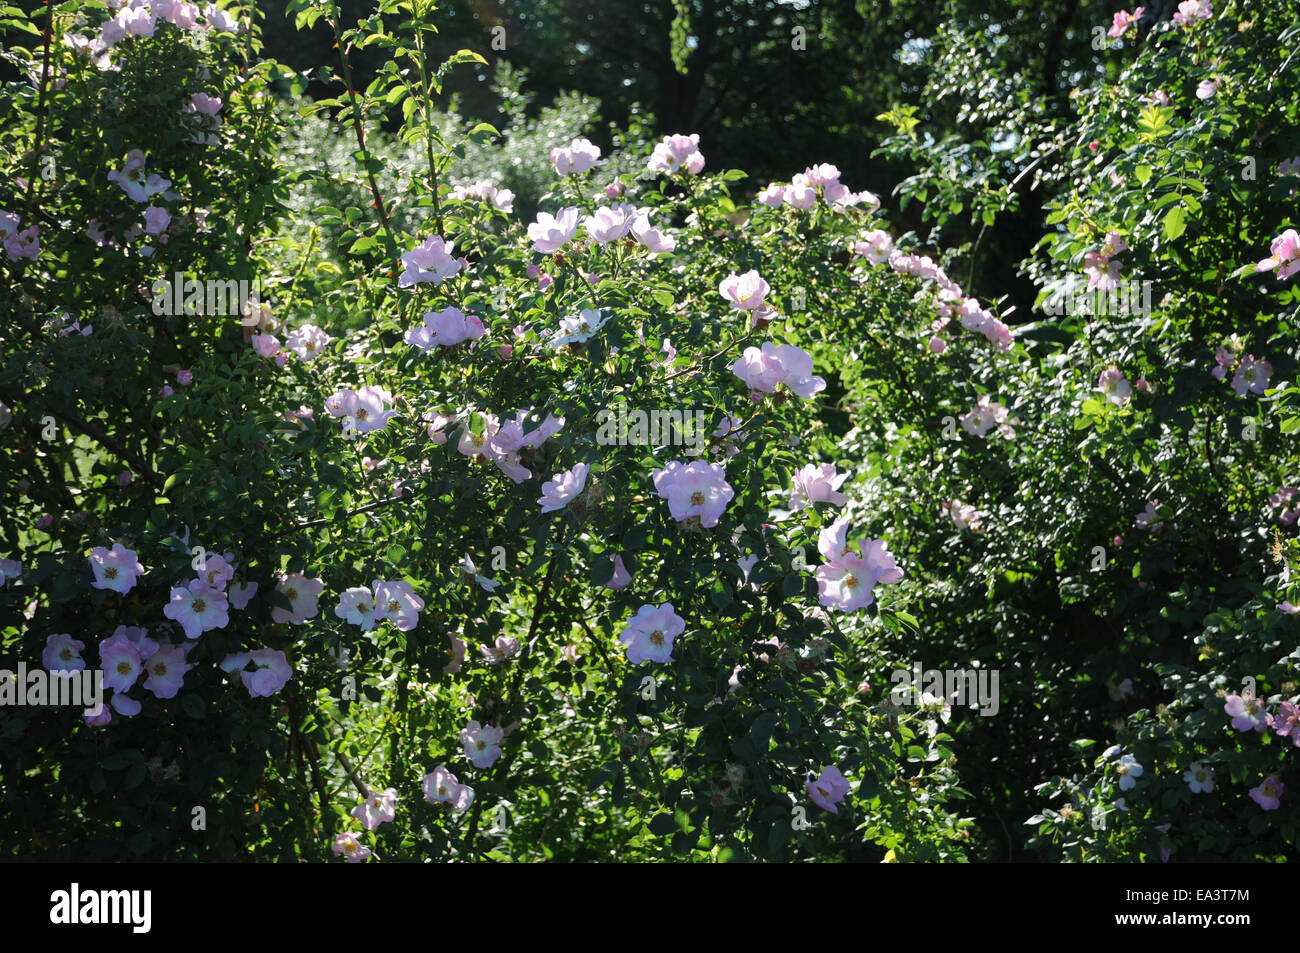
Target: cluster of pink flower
<point>430,262</point>
<point>270,670</point>
<point>677,152</point>
<point>851,571</point>
<point>963,515</point>
<point>1251,376</point>
<point>501,443</point>
<point>950,301</point>
<point>1249,713</point>
<point>363,410</point>
<point>367,607</point>
<point>501,199</point>
<point>205,108</point>
<point>773,365</point>
<point>1101,267</point>
<point>137,18</point>
<point>19,242</point>
<point>608,223</point>
<point>984,416</point>
<point>577,158</point>
<point>804,187</point>
<point>445,328</point>
<point>481,745</point>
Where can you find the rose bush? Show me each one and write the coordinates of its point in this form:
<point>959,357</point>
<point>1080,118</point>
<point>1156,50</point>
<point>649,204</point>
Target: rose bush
<point>375,534</point>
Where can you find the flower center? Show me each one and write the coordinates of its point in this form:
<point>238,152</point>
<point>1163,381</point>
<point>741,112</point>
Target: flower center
<point>160,669</point>
<point>697,498</point>
<point>66,655</point>
<point>124,668</point>
<point>198,605</point>
<point>292,594</point>
<point>657,637</point>
<point>110,572</point>
<point>851,582</point>
<point>480,744</point>
<point>394,605</point>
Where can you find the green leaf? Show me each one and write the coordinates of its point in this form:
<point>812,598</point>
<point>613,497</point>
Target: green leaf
<point>663,824</point>
<point>1143,173</point>
<point>1175,222</point>
<point>192,705</point>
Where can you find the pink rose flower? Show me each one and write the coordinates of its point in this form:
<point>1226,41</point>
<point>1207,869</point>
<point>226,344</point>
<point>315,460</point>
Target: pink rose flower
<point>302,593</point>
<point>1247,712</point>
<point>115,569</point>
<point>828,790</point>
<point>745,292</point>
<point>610,223</point>
<point>398,603</point>
<point>346,845</point>
<point>63,654</point>
<point>650,633</point>
<point>166,669</point>
<point>198,608</point>
<point>621,576</point>
<point>481,743</point>
<point>562,488</point>
<point>698,489</point>
<point>378,808</point>
<point>1285,255</point>
<point>441,787</point>
<point>578,157</point>
<point>817,484</point>
<point>1268,794</point>
<point>550,233</point>
<point>763,369</point>
<point>429,262</point>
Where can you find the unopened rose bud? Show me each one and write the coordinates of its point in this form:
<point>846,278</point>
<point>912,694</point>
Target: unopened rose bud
<point>124,478</point>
